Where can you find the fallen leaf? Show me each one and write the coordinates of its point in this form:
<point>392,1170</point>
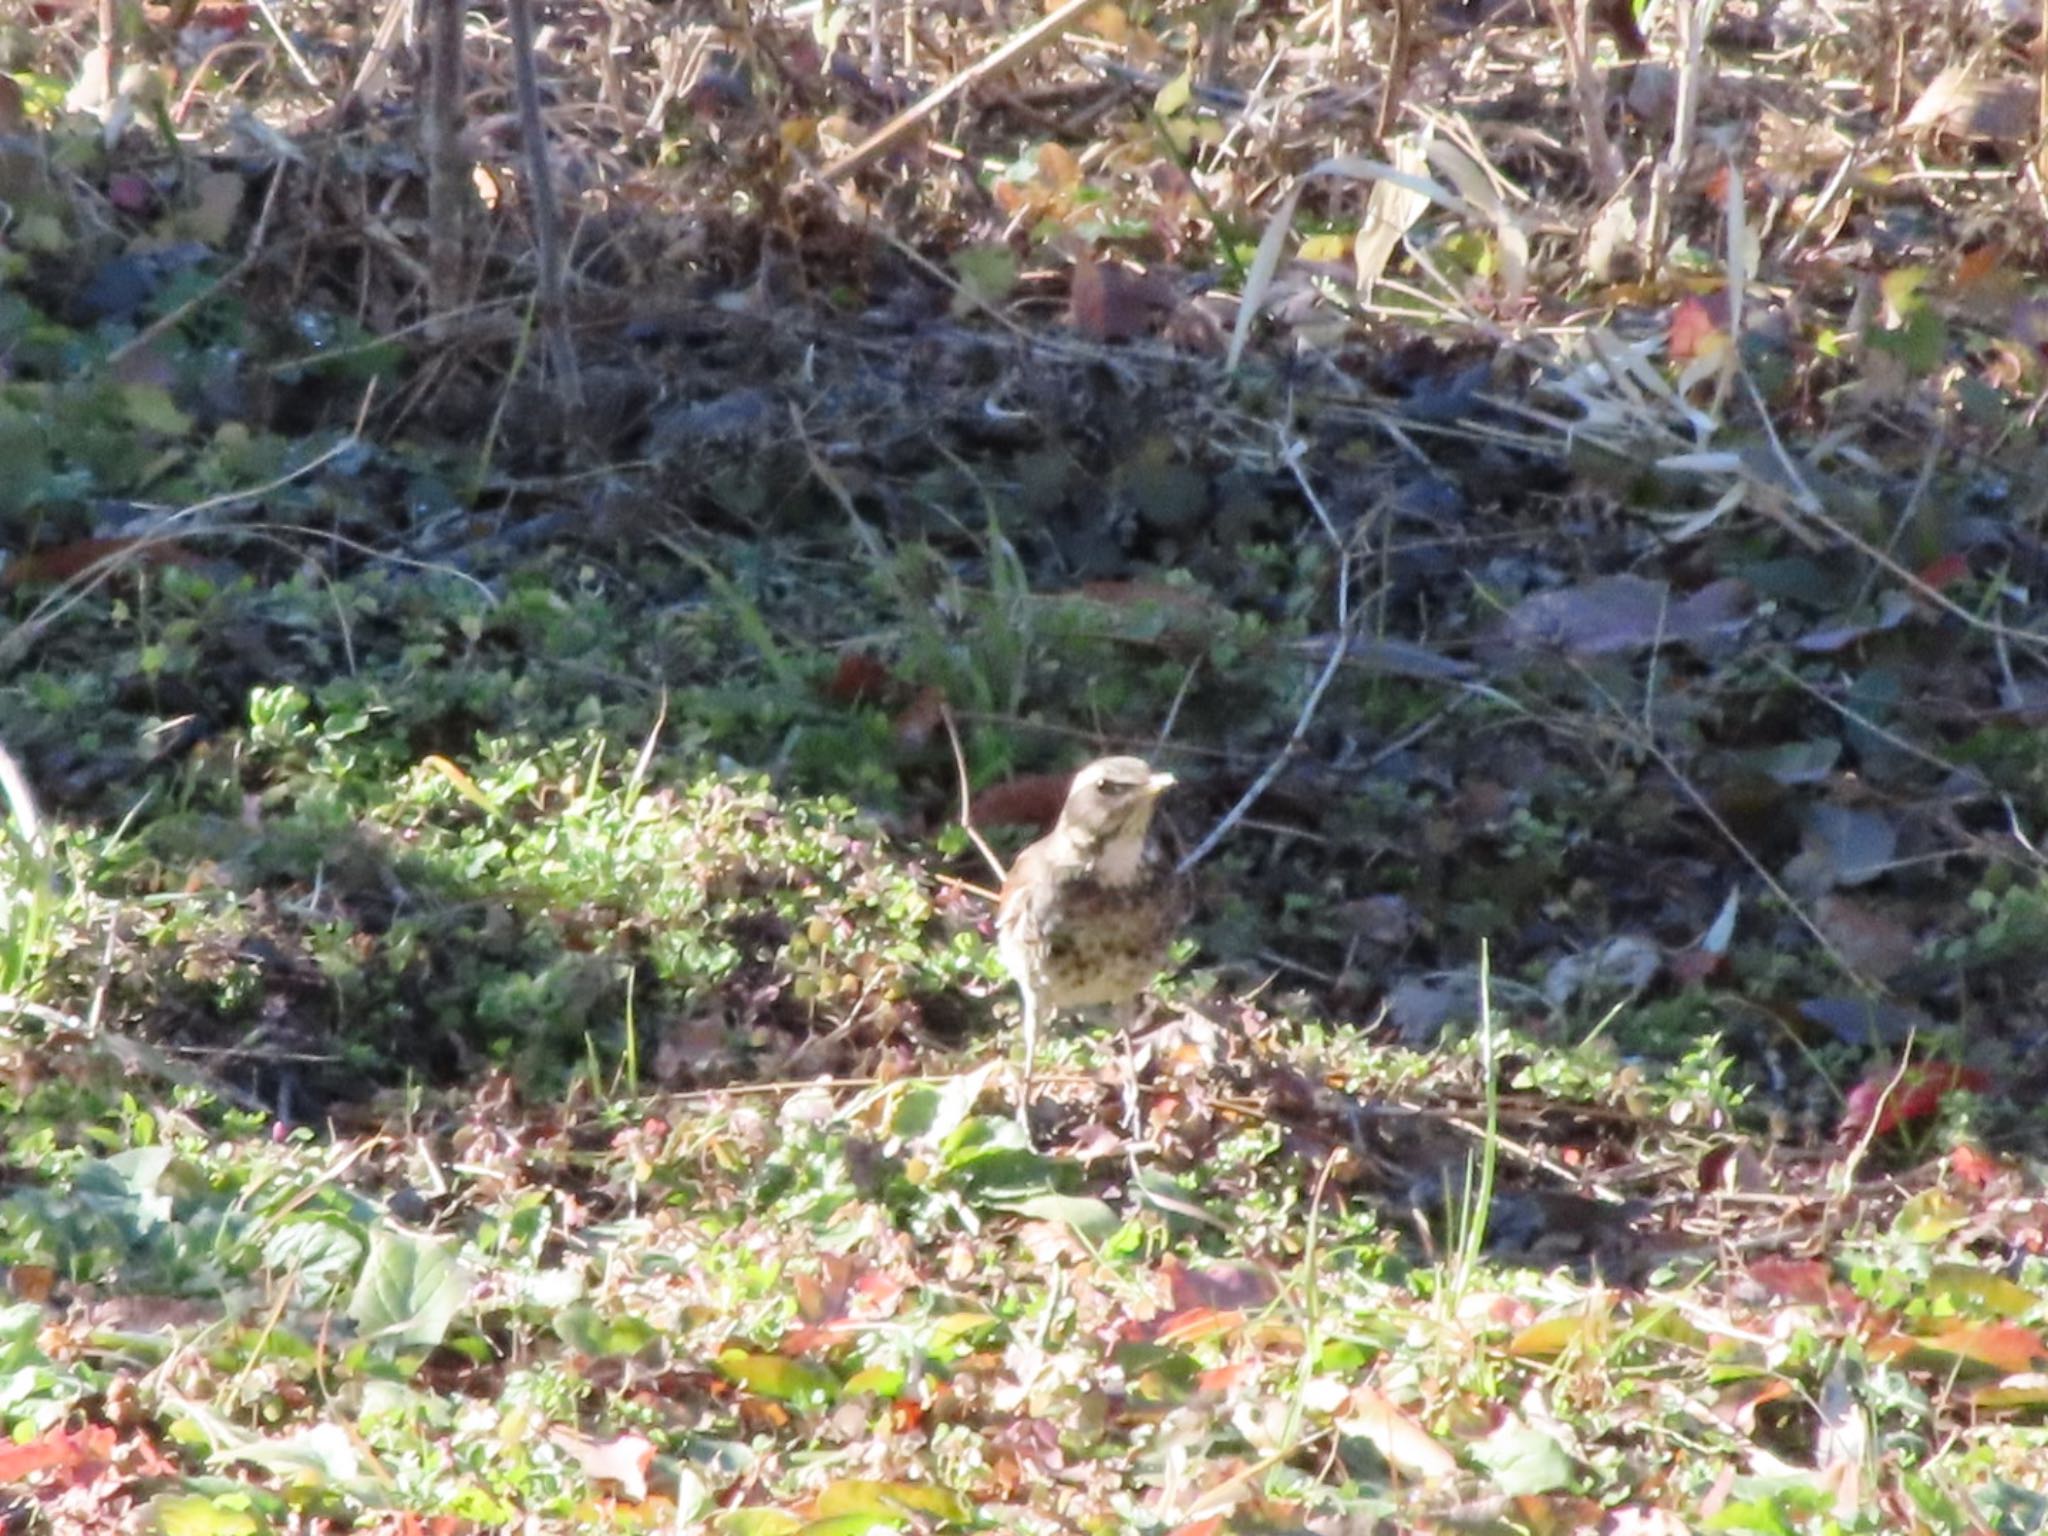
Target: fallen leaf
<point>1615,614</point>
<point>1879,1105</point>
<point>920,718</point>
<point>860,678</point>
<point>1109,301</point>
<point>1408,1448</point>
<point>64,562</point>
<point>1029,800</point>
<point>624,1460</point>
<point>1696,329</point>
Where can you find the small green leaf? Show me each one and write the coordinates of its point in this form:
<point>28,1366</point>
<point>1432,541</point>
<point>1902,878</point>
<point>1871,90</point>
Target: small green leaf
<point>197,1515</point>
<point>756,1522</point>
<point>779,1377</point>
<point>150,408</point>
<point>1175,94</point>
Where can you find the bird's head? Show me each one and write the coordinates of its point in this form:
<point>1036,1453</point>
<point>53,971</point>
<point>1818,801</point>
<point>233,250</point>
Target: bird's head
<point>1111,800</point>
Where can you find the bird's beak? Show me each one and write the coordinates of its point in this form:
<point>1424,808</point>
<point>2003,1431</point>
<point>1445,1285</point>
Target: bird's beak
<point>1159,783</point>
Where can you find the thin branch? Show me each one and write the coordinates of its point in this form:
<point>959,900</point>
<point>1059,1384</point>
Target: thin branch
<point>1338,649</point>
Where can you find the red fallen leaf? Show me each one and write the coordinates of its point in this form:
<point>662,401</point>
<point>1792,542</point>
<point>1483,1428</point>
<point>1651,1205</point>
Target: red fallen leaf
<point>1944,572</point>
<point>1030,800</point>
<point>50,1449</point>
<point>2005,1347</point>
<point>1198,1323</point>
<point>57,1449</point>
<point>1222,1378</point>
<point>1879,1104</point>
<point>61,562</point>
<point>1695,321</point>
<point>860,678</point>
<point>1970,1164</point>
<point>924,714</point>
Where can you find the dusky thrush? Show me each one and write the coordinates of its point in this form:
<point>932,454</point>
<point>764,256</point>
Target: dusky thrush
<point>1089,911</point>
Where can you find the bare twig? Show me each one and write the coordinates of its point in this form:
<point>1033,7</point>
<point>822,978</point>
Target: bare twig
<point>450,195</point>
<point>899,127</point>
<point>546,211</point>
<point>1317,689</point>
<point>967,797</point>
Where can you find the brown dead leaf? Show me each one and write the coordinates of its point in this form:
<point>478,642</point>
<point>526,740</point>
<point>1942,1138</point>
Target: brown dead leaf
<point>63,562</point>
<point>1874,943</point>
<point>1030,800</point>
<point>1109,301</point>
<point>916,721</point>
<point>860,678</point>
<point>1792,150</point>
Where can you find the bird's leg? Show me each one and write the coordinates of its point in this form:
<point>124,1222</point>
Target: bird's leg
<point>1126,1018</point>
<point>1030,1056</point>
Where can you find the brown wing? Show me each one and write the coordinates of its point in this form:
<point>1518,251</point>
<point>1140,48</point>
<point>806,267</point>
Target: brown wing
<point>1020,911</point>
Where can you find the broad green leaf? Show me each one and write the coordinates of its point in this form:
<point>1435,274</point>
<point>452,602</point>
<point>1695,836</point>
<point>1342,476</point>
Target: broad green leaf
<point>1525,1461</point>
<point>1091,1218</point>
<point>1980,1290</point>
<point>410,1290</point>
